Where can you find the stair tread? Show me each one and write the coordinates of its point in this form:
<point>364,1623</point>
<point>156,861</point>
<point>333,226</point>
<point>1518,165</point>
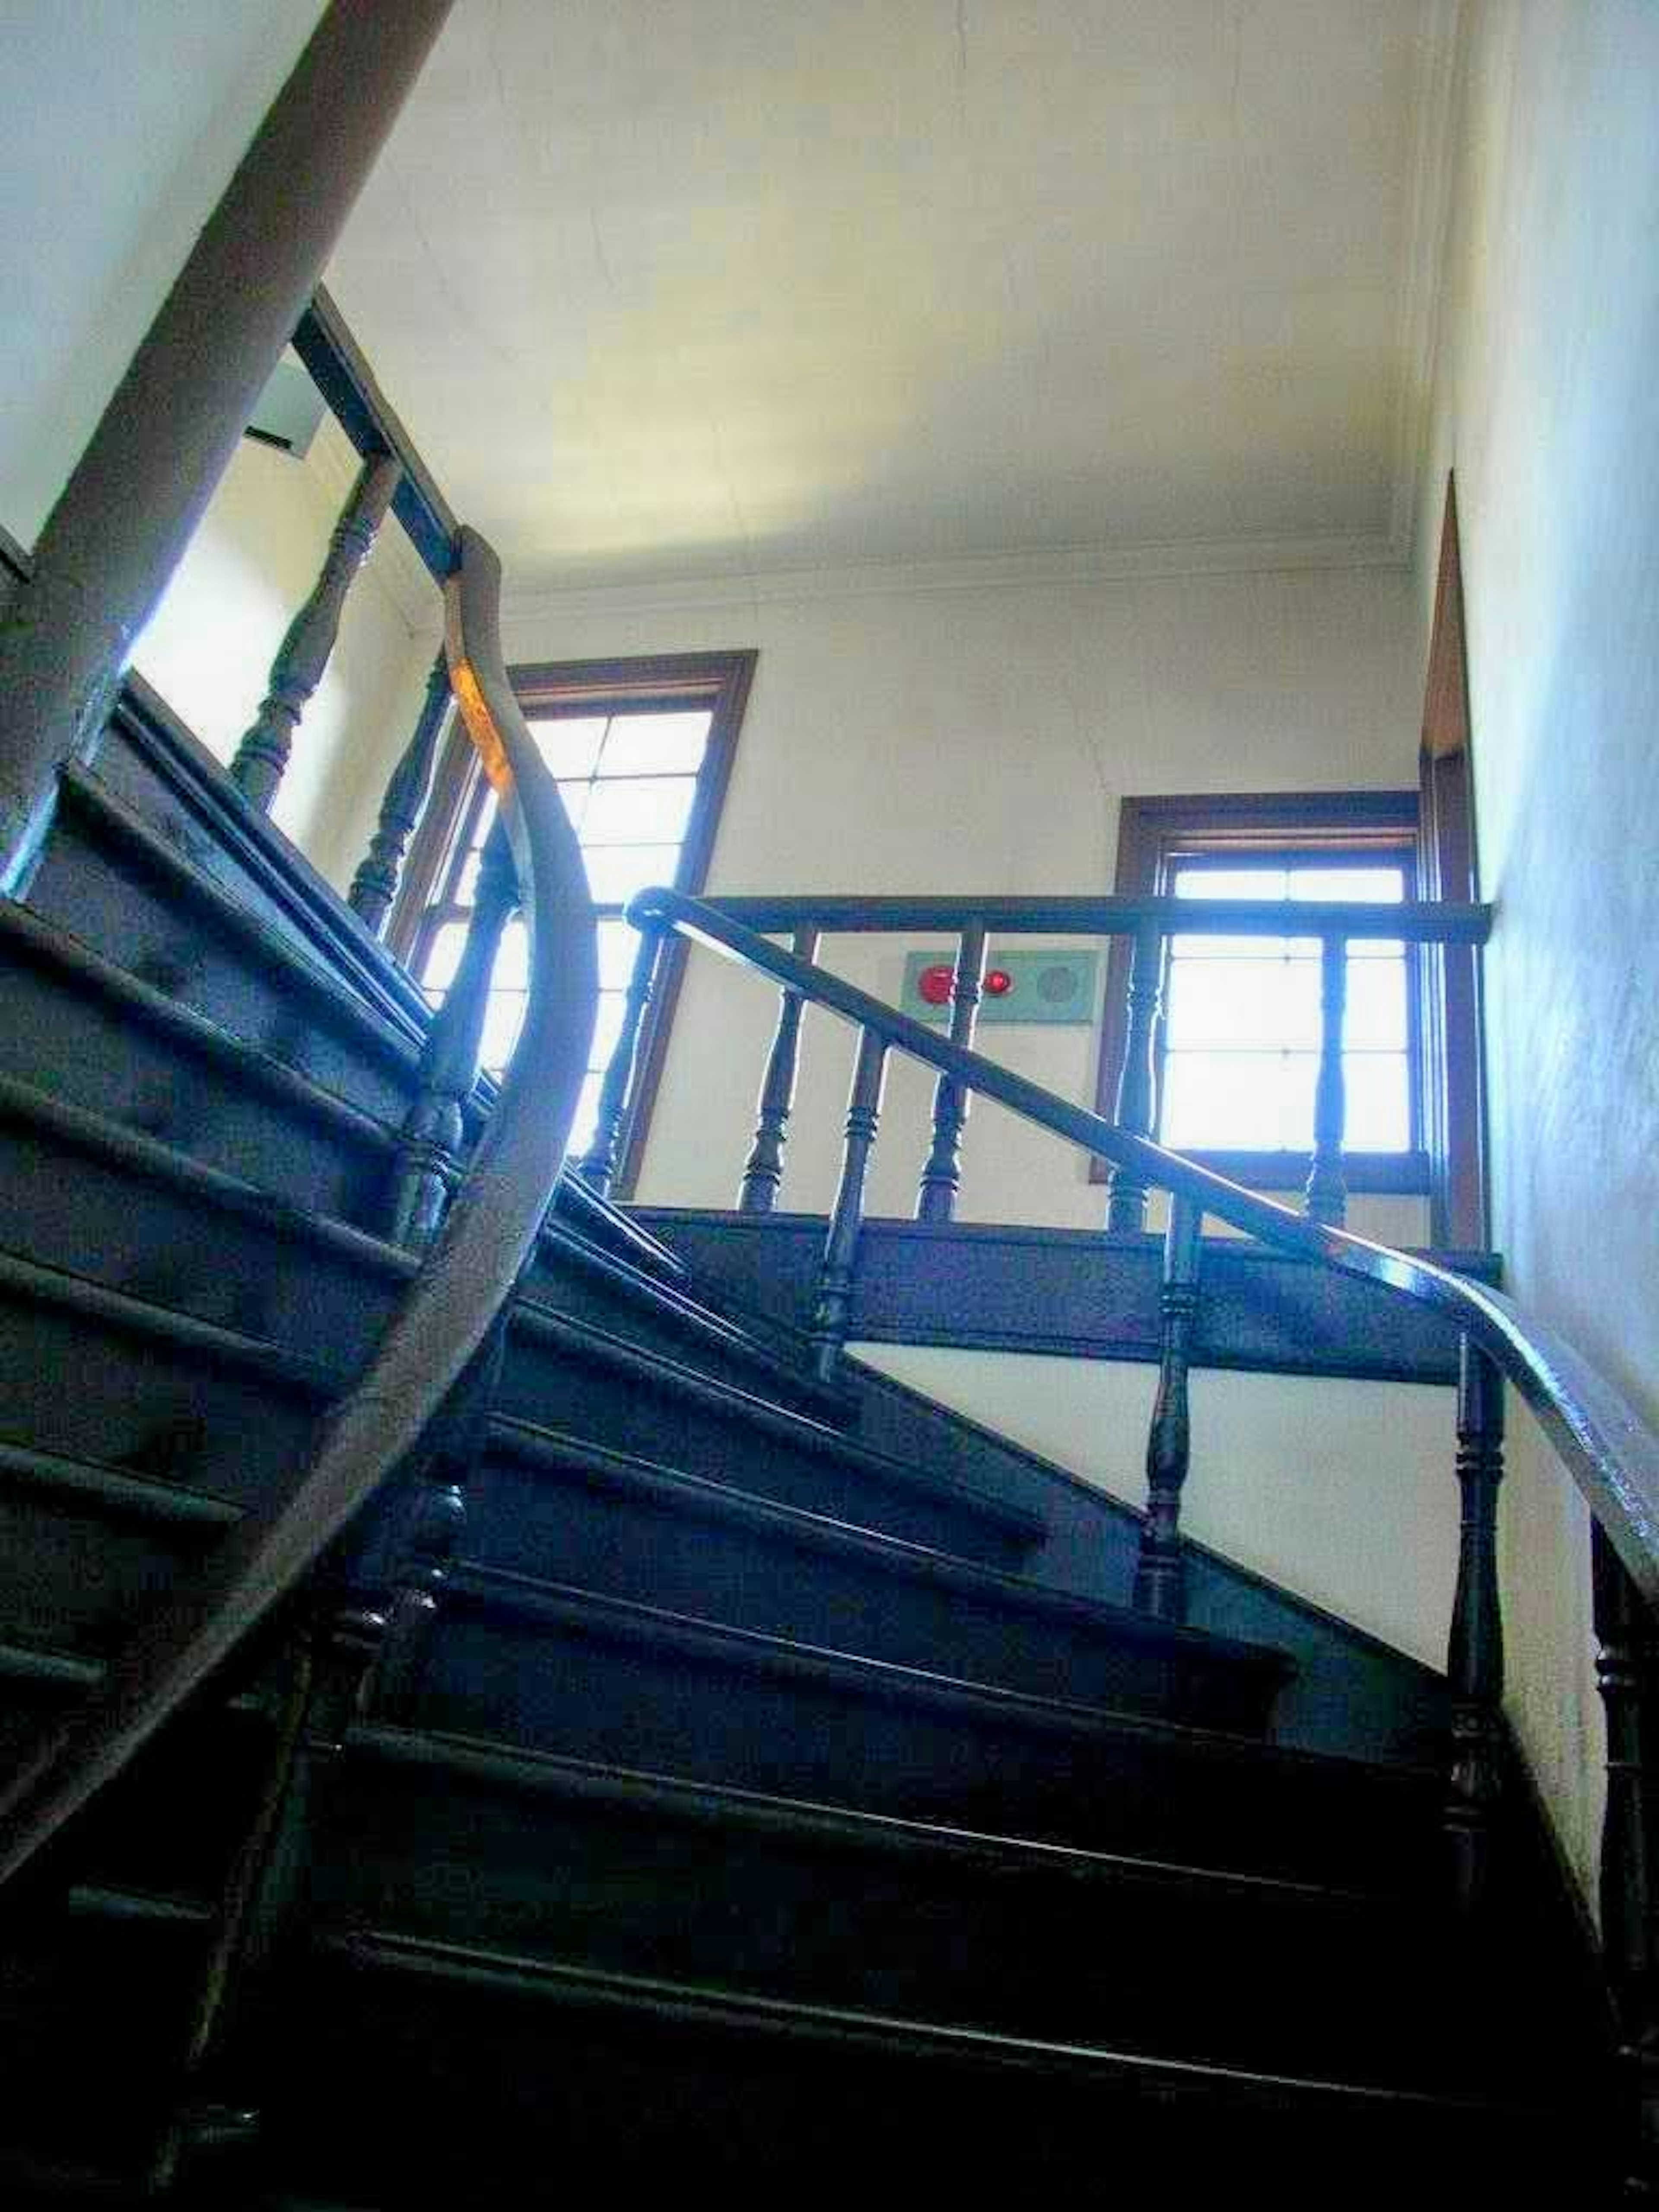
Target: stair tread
<point>896,1554</point>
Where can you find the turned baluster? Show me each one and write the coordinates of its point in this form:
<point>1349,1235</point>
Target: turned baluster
<point>600,1162</point>
<point>762,1171</point>
<point>1137,1085</point>
<point>304,652</point>
<point>1474,1660</point>
<point>1326,1195</point>
<point>429,1146</point>
<point>941,1179</point>
<point>1160,1586</point>
<point>834,1307</point>
<point>375,886</point>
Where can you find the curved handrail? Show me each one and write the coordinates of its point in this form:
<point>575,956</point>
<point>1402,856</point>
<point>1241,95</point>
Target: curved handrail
<point>1612,1454</point>
<point>462,1285</point>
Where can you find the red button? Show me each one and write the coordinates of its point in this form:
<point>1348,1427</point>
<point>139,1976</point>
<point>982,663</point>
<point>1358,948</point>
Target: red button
<point>934,983</point>
<point>998,983</point>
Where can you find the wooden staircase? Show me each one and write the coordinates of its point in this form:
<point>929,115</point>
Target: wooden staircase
<point>691,1770</point>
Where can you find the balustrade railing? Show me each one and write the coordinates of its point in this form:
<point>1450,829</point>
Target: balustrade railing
<point>1608,1450</point>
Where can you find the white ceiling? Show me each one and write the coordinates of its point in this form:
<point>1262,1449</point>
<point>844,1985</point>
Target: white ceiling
<point>670,290</point>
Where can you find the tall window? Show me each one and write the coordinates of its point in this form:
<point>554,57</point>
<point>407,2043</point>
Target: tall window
<point>1238,1044</point>
<point>641,751</point>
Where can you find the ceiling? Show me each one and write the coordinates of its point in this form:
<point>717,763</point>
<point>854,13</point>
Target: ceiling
<point>671,291</point>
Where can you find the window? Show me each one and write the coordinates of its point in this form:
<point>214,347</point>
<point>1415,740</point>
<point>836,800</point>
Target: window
<point>1238,1043</point>
<point>641,751</point>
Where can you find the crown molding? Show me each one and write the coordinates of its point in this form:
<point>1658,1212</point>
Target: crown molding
<point>1428,211</point>
<point>1038,567</point>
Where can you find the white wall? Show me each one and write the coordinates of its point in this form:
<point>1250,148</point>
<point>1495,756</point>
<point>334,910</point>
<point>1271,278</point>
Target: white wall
<point>1545,407</point>
<point>1342,1491</point>
<point>207,648</point>
<point>980,740</point>
<point>123,124</point>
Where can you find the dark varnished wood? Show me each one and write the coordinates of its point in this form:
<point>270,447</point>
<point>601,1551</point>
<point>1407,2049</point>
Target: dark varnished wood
<point>1136,1093</point>
<point>833,1311</point>
<point>1160,1572</point>
<point>375,886</point>
<point>1627,1653</point>
<point>263,755</point>
<point>1043,915</point>
<point>762,1171</point>
<point>1326,1195</point>
<point>122,523</point>
<point>1475,1651</point>
<point>941,1175</point>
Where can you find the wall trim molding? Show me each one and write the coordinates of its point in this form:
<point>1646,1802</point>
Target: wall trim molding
<point>1428,214</point>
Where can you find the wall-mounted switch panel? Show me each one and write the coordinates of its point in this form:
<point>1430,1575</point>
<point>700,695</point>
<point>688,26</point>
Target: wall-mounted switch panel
<point>1022,986</point>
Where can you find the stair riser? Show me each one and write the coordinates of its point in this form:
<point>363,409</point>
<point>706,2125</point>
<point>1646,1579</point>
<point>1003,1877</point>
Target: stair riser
<point>550,1524</point>
<point>795,1734</point>
<point>634,1413</point>
<point>207,1109</point>
<point>118,908</point>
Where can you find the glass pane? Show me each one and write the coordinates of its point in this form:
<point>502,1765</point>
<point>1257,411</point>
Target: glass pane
<point>1375,1020</point>
<point>1238,1101</point>
<point>607,1028</point>
<point>445,956</point>
<point>646,811</point>
<point>513,960</point>
<point>1376,948</point>
<point>619,946</point>
<point>1243,1002</point>
<point>576,797</point>
<point>485,822</point>
<point>1356,886</point>
<point>615,873</point>
<point>500,1029</point>
<point>656,744</point>
<point>1245,883</point>
<point>587,1115</point>
<point>570,746</point>
<point>1379,1106</point>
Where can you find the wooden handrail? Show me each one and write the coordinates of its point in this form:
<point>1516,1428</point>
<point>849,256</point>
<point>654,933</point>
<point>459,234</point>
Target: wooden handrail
<point>463,1283</point>
<point>1415,923</point>
<point>1611,1452</point>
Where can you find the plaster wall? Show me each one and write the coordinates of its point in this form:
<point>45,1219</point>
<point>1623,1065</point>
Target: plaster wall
<point>249,569</point>
<point>1544,407</point>
<point>123,125</point>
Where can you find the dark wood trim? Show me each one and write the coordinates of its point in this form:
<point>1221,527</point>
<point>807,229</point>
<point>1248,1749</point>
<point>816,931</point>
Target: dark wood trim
<point>1153,829</point>
<point>718,682</point>
<point>1454,1117</point>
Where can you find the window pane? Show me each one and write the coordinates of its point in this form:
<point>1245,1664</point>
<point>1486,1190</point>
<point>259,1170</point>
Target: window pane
<point>649,811</point>
<point>656,744</point>
<point>445,958</point>
<point>500,1029</point>
<point>576,797</point>
<point>619,946</point>
<point>587,1115</point>
<point>1238,1101</point>
<point>570,745</point>
<point>1354,886</point>
<point>1243,1002</point>
<point>1258,882</point>
<point>1375,1018</point>
<point>615,873</point>
<point>607,1028</point>
<point>513,960</point>
<point>1379,1106</point>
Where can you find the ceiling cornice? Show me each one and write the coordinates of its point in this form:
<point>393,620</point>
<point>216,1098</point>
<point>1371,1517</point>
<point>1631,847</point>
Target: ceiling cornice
<point>1427,212</point>
<point>1040,567</point>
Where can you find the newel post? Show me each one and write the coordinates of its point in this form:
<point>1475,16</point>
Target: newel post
<point>262,757</point>
<point>1137,1085</point>
<point>132,504</point>
<point>1474,1659</point>
<point>941,1177</point>
<point>1627,1647</point>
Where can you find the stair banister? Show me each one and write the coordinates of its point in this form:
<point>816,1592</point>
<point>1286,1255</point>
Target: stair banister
<point>464,1281</point>
<point>1611,1452</point>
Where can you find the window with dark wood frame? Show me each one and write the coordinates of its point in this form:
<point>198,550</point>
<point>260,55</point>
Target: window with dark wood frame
<point>1159,836</point>
<point>590,696</point>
